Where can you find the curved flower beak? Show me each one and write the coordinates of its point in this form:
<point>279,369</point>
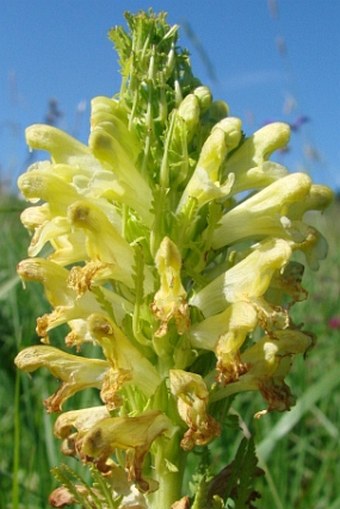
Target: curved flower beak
<point>79,420</point>
<point>62,147</point>
<point>204,184</point>
<point>43,184</point>
<point>318,198</point>
<point>249,163</point>
<point>53,276</point>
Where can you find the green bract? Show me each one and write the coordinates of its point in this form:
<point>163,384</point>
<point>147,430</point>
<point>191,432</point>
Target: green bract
<point>167,243</point>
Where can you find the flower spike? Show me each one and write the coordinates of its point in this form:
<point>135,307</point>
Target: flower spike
<point>166,248</point>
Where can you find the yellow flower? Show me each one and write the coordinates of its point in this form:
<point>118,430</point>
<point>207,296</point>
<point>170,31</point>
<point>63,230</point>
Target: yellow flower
<point>117,148</point>
<point>192,400</point>
<point>246,280</point>
<point>204,184</point>
<point>265,213</point>
<point>170,300</point>
<point>250,164</point>
<point>123,355</point>
<point>76,373</point>
<point>132,434</point>
<point>266,364</point>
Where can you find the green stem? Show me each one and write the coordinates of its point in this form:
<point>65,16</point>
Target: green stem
<point>16,449</point>
<point>169,465</point>
<point>164,171</point>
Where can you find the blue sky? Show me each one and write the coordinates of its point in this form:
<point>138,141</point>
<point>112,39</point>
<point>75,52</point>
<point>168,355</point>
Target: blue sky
<point>268,59</point>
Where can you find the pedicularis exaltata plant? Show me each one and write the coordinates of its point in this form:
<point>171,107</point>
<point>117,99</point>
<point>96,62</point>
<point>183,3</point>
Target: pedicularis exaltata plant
<point>167,246</point>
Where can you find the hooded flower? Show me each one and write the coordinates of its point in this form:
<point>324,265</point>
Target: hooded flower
<point>166,247</point>
<point>131,434</point>
<point>171,299</point>
<point>265,213</point>
<point>205,184</point>
<point>250,163</point>
<point>192,400</point>
<point>75,372</point>
<point>247,280</point>
<point>123,355</point>
<point>266,364</point>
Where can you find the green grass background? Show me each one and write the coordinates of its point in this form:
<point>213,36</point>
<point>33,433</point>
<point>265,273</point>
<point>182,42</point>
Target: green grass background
<point>299,450</point>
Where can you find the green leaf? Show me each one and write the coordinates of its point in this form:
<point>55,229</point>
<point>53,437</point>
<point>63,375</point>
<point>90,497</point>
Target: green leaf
<point>236,481</point>
<point>97,496</point>
<point>66,476</point>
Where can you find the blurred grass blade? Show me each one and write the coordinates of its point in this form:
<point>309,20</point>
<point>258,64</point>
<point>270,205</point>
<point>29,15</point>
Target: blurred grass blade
<point>336,504</point>
<point>322,418</point>
<point>7,286</point>
<point>323,387</point>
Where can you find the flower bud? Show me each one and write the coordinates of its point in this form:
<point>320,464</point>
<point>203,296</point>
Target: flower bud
<point>204,97</point>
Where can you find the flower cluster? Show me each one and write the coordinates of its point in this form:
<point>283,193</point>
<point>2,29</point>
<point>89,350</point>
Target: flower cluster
<point>167,246</point>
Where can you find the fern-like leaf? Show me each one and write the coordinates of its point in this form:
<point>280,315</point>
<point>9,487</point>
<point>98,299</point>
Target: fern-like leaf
<point>236,481</point>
